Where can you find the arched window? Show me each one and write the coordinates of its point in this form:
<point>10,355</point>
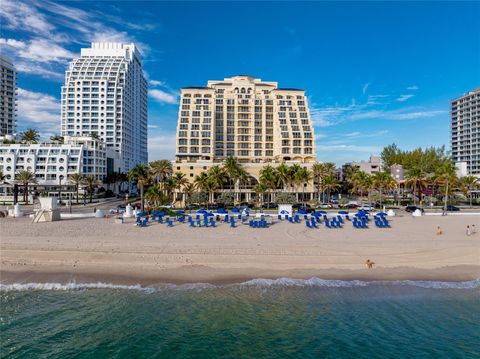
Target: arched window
<point>243,90</point>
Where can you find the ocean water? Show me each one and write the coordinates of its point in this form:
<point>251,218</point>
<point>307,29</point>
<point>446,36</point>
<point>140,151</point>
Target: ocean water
<point>282,318</point>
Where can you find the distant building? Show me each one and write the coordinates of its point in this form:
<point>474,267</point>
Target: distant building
<point>371,167</point>
<point>53,164</point>
<point>105,93</point>
<point>397,172</point>
<point>465,131</point>
<point>8,97</point>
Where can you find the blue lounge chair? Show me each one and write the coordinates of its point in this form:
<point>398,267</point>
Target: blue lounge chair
<point>297,218</point>
<point>199,223</point>
<point>327,224</point>
<point>308,224</point>
<point>169,222</point>
<point>232,224</point>
<point>212,223</point>
<point>313,224</point>
<point>192,224</point>
<point>160,219</point>
<point>279,217</point>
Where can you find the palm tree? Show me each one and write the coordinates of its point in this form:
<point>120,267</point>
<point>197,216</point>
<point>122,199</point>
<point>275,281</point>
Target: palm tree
<point>30,135</point>
<point>269,177</point>
<point>260,189</point>
<point>303,176</point>
<point>180,182</point>
<point>330,184</point>
<point>57,139</point>
<point>218,174</point>
<point>445,175</point>
<point>140,174</point>
<point>188,190</point>
<point>283,172</point>
<point>295,174</point>
<point>161,170</point>
<point>319,171</point>
<point>467,185</point>
<point>91,184</point>
<point>416,181</point>
<point>360,181</point>
<point>243,178</point>
<point>154,196</point>
<point>25,178</point>
<point>76,179</point>
<point>206,184</point>
<point>232,168</point>
<point>383,181</point>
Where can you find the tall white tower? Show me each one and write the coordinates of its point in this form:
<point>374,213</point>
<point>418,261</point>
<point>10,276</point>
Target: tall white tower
<point>8,97</point>
<point>105,94</point>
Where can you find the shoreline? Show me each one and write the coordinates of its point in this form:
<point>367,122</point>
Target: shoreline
<point>199,274</point>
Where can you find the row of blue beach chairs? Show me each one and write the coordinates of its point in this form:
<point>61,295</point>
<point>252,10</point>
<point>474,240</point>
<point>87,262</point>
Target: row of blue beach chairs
<point>258,223</point>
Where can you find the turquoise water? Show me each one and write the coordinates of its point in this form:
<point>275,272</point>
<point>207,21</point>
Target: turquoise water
<point>257,319</point>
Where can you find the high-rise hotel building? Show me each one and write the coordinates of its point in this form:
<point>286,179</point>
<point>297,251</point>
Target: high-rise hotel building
<point>8,97</point>
<point>465,132</point>
<point>247,118</point>
<point>105,94</point>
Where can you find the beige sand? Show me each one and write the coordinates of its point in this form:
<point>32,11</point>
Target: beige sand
<point>100,250</point>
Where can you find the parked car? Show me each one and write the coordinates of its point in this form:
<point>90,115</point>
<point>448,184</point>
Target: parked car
<point>169,206</point>
<point>412,208</point>
<point>192,206</point>
<point>451,208</point>
<point>323,206</point>
<point>302,206</point>
<point>269,205</point>
<point>367,207</point>
<point>246,204</point>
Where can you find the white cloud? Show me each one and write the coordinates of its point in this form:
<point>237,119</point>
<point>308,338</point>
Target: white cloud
<point>12,43</point>
<point>403,98</point>
<point>413,88</point>
<point>152,126</point>
<point>163,97</point>
<point>157,83</point>
<point>161,146</point>
<point>18,15</point>
<point>42,50</point>
<point>38,110</point>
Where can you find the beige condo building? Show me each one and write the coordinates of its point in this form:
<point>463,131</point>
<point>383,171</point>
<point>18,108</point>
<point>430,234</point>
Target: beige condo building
<point>255,121</point>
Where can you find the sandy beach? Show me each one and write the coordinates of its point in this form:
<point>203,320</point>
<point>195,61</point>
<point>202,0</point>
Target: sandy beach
<point>99,250</point>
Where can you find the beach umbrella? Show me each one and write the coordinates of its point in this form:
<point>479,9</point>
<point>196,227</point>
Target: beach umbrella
<point>342,212</point>
<point>321,212</point>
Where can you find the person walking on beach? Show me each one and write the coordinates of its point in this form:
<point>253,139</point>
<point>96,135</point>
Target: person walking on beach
<point>474,229</point>
<point>469,233</point>
<point>439,231</point>
<point>369,264</point>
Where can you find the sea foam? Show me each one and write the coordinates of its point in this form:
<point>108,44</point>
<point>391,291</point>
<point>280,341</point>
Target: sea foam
<point>259,282</point>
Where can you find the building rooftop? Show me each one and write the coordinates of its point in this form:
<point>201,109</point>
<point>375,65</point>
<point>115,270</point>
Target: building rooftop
<point>196,88</point>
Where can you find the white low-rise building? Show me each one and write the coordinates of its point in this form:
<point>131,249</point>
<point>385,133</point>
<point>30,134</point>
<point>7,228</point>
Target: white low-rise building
<point>53,163</point>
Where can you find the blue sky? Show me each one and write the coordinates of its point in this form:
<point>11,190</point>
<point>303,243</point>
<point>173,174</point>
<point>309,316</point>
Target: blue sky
<point>374,72</point>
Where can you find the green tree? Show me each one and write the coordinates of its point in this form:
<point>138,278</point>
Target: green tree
<point>269,177</point>
<point>232,170</point>
<point>330,184</point>
<point>91,184</point>
<point>156,196</point>
<point>180,181</point>
<point>206,184</point>
<point>283,173</point>
<point>141,175</point>
<point>161,170</point>
<point>445,177</point>
<point>260,189</point>
<point>57,139</point>
<point>30,135</point>
<point>383,181</point>
<point>319,171</point>
<point>25,178</point>
<point>76,179</point>
<point>416,180</point>
<point>467,184</point>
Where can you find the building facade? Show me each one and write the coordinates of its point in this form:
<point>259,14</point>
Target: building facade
<point>53,164</point>
<point>465,134</point>
<point>8,97</point>
<point>105,94</point>
<point>372,166</point>
<point>246,118</point>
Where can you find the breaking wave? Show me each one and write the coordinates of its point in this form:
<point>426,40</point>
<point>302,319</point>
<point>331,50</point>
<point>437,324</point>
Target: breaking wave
<point>259,282</point>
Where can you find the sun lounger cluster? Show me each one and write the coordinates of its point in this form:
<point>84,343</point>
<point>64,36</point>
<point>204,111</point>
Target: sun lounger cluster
<point>204,218</point>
